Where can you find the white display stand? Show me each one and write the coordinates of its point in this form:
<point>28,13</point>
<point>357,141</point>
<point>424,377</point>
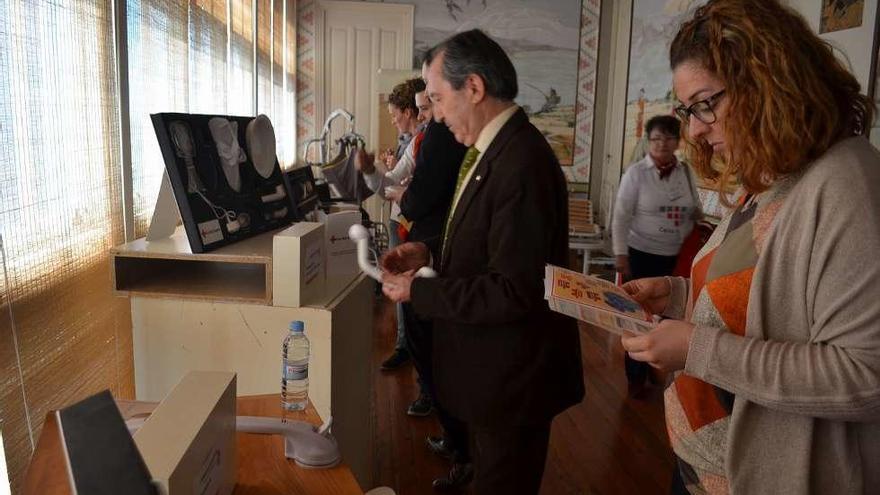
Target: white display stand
<point>166,216</point>
<point>216,311</point>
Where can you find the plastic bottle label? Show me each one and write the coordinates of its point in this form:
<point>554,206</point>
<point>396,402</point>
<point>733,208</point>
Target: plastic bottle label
<point>295,371</point>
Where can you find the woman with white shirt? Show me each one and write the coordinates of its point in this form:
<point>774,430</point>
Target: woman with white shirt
<point>656,206</point>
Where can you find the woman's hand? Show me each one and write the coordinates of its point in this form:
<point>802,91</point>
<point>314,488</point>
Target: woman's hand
<point>394,193</point>
<point>665,347</point>
<point>653,293</point>
<point>387,158</point>
<point>621,263</point>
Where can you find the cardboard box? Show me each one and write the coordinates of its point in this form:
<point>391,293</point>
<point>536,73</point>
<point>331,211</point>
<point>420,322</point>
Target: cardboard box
<point>188,443</point>
<point>299,265</point>
<point>341,251</point>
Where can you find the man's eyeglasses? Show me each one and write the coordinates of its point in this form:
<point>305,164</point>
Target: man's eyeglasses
<point>703,110</point>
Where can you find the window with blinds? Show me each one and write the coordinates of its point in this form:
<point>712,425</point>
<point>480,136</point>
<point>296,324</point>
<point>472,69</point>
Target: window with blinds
<point>200,58</point>
<point>64,124</point>
<point>62,334</point>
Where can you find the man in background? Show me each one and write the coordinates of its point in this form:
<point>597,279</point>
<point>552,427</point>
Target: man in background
<point>425,203</point>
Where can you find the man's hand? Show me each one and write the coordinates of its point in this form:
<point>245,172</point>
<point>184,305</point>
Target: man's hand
<point>409,256</point>
<point>363,161</point>
<point>665,347</point>
<point>397,287</point>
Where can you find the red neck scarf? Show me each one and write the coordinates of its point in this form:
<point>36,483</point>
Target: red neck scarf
<point>666,170</point>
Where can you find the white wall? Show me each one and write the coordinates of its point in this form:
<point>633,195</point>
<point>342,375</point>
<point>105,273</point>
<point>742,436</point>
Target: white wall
<point>856,43</point>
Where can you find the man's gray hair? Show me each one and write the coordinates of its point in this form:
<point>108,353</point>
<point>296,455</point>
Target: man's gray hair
<point>473,52</point>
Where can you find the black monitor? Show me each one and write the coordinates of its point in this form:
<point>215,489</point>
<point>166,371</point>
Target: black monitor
<point>102,457</point>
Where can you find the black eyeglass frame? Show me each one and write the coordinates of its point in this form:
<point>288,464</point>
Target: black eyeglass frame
<point>684,112</point>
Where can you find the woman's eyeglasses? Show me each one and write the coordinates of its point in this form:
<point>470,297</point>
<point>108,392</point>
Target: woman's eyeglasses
<point>703,110</point>
<point>661,139</point>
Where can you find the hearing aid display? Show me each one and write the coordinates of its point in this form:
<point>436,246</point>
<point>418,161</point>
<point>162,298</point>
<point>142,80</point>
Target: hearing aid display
<point>181,136</point>
<point>260,137</point>
<point>225,135</point>
<point>225,176</point>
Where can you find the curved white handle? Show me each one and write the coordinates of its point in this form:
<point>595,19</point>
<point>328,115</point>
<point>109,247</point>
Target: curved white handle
<point>426,272</point>
<point>361,236</point>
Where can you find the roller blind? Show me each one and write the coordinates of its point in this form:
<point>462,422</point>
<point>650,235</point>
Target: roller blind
<point>63,335</point>
<point>276,64</point>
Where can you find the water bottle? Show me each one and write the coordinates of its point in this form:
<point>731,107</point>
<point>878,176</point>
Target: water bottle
<point>295,368</point>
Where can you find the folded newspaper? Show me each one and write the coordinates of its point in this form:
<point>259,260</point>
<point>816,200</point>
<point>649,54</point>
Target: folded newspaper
<point>595,301</point>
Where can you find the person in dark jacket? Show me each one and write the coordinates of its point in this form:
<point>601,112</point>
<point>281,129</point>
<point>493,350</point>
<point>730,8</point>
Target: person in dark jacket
<point>504,364</point>
<point>425,203</point>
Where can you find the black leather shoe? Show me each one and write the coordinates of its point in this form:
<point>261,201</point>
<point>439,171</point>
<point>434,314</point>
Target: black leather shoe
<point>421,406</point>
<point>396,360</point>
<point>459,476</point>
<point>439,446</point>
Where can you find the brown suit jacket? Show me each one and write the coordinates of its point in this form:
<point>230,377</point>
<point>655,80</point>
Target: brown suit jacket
<point>501,357</point>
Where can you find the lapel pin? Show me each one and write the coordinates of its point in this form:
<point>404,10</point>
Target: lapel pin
<point>477,178</point>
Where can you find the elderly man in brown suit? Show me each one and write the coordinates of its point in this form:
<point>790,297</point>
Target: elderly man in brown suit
<point>504,364</point>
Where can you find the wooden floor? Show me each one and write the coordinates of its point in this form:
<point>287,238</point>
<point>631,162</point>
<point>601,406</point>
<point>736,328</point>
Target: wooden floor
<point>608,444</point>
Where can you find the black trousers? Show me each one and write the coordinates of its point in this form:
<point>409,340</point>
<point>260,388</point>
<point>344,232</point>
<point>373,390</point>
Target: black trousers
<point>419,343</point>
<point>510,460</point>
<point>642,265</point>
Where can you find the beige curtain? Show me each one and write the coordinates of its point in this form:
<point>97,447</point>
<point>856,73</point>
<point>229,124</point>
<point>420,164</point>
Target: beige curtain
<point>63,335</point>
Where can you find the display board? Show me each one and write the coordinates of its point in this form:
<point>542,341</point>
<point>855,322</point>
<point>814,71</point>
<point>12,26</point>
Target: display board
<point>225,176</point>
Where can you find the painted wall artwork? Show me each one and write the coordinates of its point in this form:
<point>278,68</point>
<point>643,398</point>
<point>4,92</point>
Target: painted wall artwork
<point>542,39</point>
<point>841,14</point>
<point>649,88</point>
<point>554,44</point>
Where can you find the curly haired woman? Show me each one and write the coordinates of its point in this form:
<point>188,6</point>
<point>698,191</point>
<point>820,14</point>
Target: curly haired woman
<point>775,338</point>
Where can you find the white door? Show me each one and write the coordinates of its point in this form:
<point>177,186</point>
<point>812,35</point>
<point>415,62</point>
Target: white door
<point>353,41</point>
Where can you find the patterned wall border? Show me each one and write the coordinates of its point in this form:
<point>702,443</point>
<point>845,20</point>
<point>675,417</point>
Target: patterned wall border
<point>586,95</point>
<point>589,46</point>
<point>305,74</point>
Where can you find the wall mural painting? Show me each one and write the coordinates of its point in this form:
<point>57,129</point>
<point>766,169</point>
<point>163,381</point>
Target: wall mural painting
<point>649,87</point>
<point>541,37</point>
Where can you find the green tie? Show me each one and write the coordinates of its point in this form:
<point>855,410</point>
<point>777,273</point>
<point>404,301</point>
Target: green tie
<point>470,158</point>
